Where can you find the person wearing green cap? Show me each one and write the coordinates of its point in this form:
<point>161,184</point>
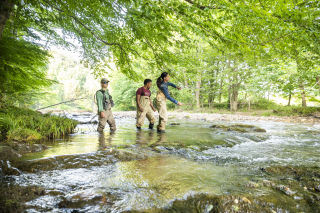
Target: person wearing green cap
<point>105,102</point>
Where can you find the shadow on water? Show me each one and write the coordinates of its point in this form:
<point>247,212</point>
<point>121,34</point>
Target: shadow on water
<point>143,170</point>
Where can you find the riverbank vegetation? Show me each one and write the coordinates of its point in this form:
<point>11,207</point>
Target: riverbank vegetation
<point>25,125</point>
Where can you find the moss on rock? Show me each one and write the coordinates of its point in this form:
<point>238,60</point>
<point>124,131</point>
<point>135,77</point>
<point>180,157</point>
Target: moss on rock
<point>244,128</point>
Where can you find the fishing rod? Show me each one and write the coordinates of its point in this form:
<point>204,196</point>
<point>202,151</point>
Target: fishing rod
<point>75,99</point>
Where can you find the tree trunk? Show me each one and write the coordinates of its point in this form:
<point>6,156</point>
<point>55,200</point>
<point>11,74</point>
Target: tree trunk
<point>289,100</point>
<point>198,85</point>
<point>234,98</point>
<point>303,95</point>
<point>234,89</point>
<point>6,7</point>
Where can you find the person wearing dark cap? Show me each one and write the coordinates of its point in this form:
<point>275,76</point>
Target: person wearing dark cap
<point>105,102</point>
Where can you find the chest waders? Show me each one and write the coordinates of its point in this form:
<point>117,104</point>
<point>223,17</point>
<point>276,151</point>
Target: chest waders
<point>162,108</point>
<point>108,116</point>
<point>145,102</point>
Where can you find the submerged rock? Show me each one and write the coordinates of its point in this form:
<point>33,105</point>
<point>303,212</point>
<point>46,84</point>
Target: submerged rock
<point>213,203</point>
<point>251,184</point>
<point>8,153</point>
<point>13,197</point>
<point>303,182</point>
<point>7,169</point>
<point>285,190</point>
<point>174,124</point>
<point>24,147</point>
<point>244,128</point>
<point>78,161</point>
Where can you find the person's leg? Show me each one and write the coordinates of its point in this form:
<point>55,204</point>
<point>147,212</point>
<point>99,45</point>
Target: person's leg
<point>140,118</point>
<point>111,121</point>
<point>162,106</point>
<point>151,118</point>
<point>102,122</point>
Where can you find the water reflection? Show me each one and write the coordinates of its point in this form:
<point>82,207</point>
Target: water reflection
<point>105,140</point>
<point>150,138</point>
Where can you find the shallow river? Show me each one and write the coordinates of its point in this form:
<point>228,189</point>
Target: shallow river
<point>144,170</point>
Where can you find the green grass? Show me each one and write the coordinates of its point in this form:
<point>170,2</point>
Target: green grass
<point>295,111</point>
<point>21,124</point>
<point>260,107</point>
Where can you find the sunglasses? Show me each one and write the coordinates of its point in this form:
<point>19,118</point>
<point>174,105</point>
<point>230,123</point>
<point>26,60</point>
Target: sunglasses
<point>105,82</point>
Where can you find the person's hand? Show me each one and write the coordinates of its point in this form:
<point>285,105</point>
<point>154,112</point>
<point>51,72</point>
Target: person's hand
<point>140,109</point>
<point>179,104</point>
<point>154,109</point>
<point>179,88</point>
<point>102,114</point>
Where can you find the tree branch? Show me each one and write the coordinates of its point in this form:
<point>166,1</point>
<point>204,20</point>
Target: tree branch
<point>77,20</point>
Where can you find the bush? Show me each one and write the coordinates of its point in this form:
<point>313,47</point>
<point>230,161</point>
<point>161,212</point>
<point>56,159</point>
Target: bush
<point>23,134</point>
<point>296,110</point>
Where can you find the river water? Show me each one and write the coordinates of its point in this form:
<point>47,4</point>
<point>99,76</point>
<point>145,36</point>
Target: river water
<point>143,170</point>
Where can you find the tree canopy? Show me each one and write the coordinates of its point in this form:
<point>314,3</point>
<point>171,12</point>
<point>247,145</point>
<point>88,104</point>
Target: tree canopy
<point>218,46</point>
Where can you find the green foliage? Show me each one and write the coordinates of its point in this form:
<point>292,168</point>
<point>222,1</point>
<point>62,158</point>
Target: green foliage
<point>262,104</point>
<point>22,69</point>
<point>296,111</point>
<point>22,124</point>
<point>23,134</point>
<point>220,51</point>
<point>124,92</point>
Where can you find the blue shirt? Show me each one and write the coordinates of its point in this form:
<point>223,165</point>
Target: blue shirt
<point>164,89</point>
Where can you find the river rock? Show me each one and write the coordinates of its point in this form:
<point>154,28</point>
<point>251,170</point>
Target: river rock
<point>246,200</point>
<point>89,122</point>
<point>252,185</point>
<point>268,183</point>
<point>285,190</point>
<point>244,128</point>
<point>7,153</point>
<point>7,169</point>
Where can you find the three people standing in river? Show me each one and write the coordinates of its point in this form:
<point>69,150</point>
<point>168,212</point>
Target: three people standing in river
<point>145,107</point>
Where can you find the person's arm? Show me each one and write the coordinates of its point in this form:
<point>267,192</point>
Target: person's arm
<point>151,104</point>
<point>138,96</point>
<point>166,93</point>
<point>172,84</point>
<point>99,98</point>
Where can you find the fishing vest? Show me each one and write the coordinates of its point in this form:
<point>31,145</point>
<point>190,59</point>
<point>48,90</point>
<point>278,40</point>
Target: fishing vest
<point>106,101</point>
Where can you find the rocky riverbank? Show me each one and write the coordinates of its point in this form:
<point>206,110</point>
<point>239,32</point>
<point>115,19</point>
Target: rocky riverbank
<point>226,117</point>
<point>213,166</point>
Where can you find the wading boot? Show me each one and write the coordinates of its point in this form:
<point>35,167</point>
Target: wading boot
<point>160,131</point>
<point>151,126</point>
<point>138,127</point>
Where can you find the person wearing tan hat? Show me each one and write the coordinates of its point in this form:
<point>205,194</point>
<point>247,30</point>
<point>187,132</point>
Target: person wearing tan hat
<point>105,102</point>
